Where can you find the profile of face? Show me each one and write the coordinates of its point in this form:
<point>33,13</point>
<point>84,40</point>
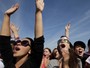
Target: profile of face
<point>56,53</point>
<point>47,52</point>
<point>79,51</point>
<point>22,48</point>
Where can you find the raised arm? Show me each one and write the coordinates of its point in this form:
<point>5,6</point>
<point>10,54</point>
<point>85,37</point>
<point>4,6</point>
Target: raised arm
<point>5,47</point>
<point>38,18</point>
<point>67,29</point>
<point>14,31</point>
<point>5,30</point>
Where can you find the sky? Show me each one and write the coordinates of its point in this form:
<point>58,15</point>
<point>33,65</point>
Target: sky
<point>56,14</point>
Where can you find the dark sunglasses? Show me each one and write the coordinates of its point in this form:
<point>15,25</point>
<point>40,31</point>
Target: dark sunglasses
<point>23,43</point>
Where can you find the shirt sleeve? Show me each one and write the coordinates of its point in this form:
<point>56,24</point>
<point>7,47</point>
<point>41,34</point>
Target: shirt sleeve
<point>6,51</point>
<point>37,50</point>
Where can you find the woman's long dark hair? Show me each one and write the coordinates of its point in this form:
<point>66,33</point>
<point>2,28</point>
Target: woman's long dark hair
<point>73,61</point>
<point>53,54</point>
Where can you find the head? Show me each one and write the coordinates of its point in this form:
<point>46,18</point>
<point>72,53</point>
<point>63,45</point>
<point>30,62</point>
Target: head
<point>66,51</point>
<point>47,52</point>
<point>79,48</point>
<point>64,44</point>
<point>22,47</point>
<point>55,54</point>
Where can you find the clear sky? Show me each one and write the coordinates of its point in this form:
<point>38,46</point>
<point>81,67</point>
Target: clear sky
<point>56,14</point>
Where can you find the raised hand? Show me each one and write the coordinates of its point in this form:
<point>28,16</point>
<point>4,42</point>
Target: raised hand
<point>5,30</point>
<point>14,28</point>
<point>12,9</point>
<point>40,4</point>
<point>67,27</point>
<point>14,31</point>
<point>38,18</point>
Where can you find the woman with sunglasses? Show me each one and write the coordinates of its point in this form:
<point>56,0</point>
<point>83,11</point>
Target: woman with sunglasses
<point>28,53</point>
<point>68,59</point>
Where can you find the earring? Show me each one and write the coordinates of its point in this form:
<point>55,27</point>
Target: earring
<point>29,52</point>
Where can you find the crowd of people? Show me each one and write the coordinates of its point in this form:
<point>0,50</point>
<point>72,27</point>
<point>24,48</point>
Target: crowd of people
<point>30,53</point>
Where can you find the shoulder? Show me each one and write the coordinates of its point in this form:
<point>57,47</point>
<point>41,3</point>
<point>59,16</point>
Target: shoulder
<point>53,60</point>
<point>79,62</point>
<point>53,63</point>
<point>41,38</point>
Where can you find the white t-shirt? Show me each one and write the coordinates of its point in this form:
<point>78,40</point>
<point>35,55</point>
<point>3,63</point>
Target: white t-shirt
<point>1,64</point>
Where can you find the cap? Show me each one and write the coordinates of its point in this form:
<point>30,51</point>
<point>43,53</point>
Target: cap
<point>79,43</point>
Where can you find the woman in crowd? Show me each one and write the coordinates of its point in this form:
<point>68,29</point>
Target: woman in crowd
<point>45,58</point>
<point>68,59</point>
<point>28,53</point>
<point>55,54</point>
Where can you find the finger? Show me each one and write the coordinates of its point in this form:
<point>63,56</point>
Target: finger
<point>18,28</point>
<point>11,25</point>
<point>36,0</point>
<point>69,25</point>
<point>17,5</point>
<point>42,0</point>
<point>43,4</point>
<point>12,6</point>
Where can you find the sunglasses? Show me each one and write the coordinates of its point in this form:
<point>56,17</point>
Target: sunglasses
<point>23,43</point>
<point>63,40</point>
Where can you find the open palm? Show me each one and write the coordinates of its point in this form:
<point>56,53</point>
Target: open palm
<point>12,9</point>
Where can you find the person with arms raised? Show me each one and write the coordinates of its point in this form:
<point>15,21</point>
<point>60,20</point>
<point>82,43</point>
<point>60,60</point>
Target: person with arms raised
<point>28,53</point>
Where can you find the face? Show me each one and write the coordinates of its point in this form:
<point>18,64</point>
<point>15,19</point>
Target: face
<point>21,48</point>
<point>79,51</point>
<point>64,43</point>
<point>64,46</point>
<point>56,53</point>
<point>46,53</point>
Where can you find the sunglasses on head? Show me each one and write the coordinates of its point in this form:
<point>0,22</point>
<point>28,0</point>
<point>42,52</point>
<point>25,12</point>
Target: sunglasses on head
<point>23,43</point>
